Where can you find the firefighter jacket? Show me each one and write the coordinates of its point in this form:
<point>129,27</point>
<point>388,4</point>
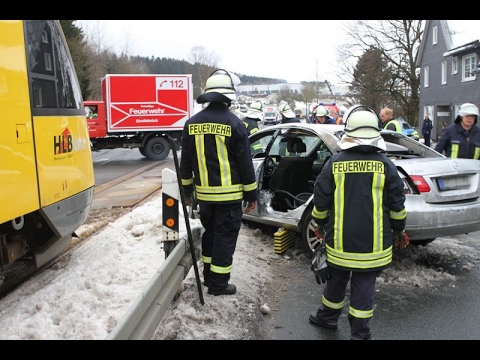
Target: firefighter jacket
<point>359,200</point>
<point>216,159</point>
<point>252,127</point>
<point>456,142</point>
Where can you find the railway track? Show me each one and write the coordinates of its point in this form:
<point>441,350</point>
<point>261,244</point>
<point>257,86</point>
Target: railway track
<point>111,200</point>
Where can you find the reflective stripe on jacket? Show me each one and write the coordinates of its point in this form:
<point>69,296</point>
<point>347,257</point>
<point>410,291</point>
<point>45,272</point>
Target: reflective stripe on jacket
<point>359,199</point>
<point>216,157</point>
<point>252,128</point>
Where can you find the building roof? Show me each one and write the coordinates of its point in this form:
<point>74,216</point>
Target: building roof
<point>459,35</point>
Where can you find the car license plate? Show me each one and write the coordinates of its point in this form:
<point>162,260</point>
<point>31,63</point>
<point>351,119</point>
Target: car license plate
<point>453,183</point>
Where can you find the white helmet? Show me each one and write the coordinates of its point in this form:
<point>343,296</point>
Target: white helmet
<point>286,110</point>
<point>255,111</point>
<point>221,81</point>
<point>362,124</point>
<point>256,106</point>
<point>468,109</point>
<point>321,111</point>
<point>361,128</point>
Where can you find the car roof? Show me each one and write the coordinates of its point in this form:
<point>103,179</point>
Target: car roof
<point>331,134</point>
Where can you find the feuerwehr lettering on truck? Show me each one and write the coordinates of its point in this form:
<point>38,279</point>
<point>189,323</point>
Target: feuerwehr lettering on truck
<point>140,111</point>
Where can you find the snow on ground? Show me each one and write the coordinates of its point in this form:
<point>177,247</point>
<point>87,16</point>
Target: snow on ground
<point>86,295</point>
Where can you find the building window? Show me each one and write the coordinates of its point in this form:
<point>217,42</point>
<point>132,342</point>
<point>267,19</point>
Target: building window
<point>469,62</point>
<point>48,61</point>
<point>45,37</point>
<point>426,76</point>
<point>454,65</point>
<point>444,72</point>
<point>435,35</point>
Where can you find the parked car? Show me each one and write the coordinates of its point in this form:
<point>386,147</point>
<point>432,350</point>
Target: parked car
<point>410,131</point>
<point>442,194</point>
<point>271,117</point>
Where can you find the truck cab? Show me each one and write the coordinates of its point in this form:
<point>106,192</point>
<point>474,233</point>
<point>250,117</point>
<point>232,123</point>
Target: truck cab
<point>96,120</point>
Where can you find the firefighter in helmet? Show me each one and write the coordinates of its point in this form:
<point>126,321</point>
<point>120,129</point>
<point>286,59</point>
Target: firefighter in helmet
<point>462,138</point>
<point>358,244</point>
<point>216,165</point>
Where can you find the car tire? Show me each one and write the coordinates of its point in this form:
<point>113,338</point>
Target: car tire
<point>309,241</point>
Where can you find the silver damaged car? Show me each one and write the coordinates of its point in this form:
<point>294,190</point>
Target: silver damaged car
<point>442,194</point>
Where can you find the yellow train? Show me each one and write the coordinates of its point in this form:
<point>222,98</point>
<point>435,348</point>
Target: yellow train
<point>46,169</point>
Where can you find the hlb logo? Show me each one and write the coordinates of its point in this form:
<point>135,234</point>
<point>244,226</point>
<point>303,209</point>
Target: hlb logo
<point>64,143</point>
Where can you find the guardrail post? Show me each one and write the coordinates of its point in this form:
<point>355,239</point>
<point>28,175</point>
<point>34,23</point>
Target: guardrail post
<point>170,198</point>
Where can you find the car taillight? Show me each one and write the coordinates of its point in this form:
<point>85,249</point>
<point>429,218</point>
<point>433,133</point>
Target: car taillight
<point>415,185</point>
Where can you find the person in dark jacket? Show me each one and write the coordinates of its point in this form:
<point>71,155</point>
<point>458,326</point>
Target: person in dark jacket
<point>322,116</point>
<point>427,126</point>
<point>288,116</point>
<point>254,116</point>
<point>462,138</point>
<point>359,207</point>
<point>216,163</point>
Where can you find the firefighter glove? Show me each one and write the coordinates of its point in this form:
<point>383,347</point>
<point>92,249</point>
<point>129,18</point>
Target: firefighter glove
<point>320,232</point>
<point>319,264</point>
<point>323,274</point>
<point>188,199</point>
<point>400,239</point>
<point>249,205</point>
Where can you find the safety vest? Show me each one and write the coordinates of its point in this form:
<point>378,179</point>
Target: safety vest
<point>398,127</point>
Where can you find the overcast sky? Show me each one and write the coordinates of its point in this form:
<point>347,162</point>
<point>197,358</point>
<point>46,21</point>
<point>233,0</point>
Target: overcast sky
<point>293,50</point>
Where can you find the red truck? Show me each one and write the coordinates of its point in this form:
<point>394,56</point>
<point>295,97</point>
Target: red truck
<point>140,111</point>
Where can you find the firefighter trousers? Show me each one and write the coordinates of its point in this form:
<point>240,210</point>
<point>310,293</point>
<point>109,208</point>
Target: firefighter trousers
<point>222,224</point>
<point>362,290</point>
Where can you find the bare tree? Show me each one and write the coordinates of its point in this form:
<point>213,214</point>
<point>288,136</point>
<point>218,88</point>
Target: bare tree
<point>203,65</point>
<point>399,42</point>
<point>309,92</point>
<point>102,57</point>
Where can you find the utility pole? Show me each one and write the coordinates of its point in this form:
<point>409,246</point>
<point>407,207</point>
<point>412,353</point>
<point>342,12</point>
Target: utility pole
<point>317,83</point>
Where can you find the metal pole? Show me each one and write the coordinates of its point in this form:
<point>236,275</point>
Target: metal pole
<point>187,220</point>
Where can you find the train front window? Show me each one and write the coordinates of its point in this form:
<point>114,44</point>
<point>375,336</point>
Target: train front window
<point>52,73</point>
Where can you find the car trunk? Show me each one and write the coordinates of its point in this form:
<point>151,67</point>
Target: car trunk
<point>456,180</point>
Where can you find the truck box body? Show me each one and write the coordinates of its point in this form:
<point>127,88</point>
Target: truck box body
<point>136,107</point>
<point>142,103</point>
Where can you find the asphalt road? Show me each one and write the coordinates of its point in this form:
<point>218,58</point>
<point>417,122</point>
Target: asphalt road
<point>447,312</point>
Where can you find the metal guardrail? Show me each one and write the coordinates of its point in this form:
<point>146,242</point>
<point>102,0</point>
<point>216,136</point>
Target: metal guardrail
<point>142,318</point>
